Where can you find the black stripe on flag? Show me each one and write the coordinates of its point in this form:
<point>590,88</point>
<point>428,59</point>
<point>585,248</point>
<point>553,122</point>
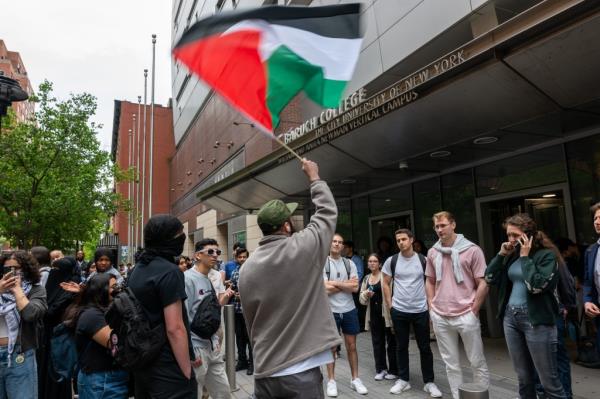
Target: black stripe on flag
<point>337,21</point>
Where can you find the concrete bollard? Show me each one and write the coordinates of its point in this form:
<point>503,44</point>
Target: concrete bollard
<point>473,391</point>
<point>229,316</point>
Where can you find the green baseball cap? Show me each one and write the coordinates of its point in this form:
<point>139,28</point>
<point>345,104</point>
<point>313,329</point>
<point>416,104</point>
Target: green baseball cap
<point>275,212</point>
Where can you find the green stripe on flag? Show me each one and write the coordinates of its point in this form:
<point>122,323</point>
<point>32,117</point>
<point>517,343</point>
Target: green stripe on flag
<point>288,73</point>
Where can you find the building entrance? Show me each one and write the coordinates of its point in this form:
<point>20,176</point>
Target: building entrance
<point>382,229</point>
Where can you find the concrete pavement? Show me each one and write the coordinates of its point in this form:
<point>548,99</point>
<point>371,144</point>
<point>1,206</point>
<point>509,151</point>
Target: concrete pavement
<point>503,379</point>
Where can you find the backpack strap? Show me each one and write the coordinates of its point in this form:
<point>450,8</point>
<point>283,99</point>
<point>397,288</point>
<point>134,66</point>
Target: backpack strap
<point>328,269</point>
<point>423,260</point>
<point>393,262</point>
<point>347,266</point>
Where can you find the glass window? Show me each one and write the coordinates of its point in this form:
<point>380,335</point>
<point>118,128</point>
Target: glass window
<point>458,195</point>
<point>390,201</point>
<point>584,175</point>
<point>537,168</point>
<point>344,221</point>
<point>427,202</point>
<point>360,225</point>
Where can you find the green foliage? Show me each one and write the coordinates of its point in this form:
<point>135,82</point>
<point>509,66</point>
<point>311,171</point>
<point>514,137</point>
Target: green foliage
<point>55,185</point>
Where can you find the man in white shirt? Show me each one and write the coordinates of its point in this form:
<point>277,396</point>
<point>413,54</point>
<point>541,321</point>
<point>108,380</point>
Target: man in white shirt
<point>408,303</point>
<point>341,280</point>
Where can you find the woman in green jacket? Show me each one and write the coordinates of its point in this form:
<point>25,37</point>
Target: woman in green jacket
<point>525,271</point>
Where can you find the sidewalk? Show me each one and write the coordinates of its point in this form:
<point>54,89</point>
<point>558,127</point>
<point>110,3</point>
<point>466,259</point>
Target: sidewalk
<point>503,384</point>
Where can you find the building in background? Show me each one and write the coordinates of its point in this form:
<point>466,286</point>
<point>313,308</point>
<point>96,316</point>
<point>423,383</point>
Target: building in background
<point>12,66</point>
<point>482,108</point>
<point>127,152</point>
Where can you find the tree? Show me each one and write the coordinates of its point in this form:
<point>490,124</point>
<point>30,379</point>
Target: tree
<point>54,178</point>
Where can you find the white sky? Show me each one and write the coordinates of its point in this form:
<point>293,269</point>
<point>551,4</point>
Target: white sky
<point>100,47</point>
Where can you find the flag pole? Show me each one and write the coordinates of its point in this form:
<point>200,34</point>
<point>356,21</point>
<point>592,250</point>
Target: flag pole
<point>287,147</point>
<point>143,178</point>
<point>150,189</point>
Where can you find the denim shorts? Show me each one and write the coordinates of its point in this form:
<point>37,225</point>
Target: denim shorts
<point>19,381</point>
<point>103,385</point>
<point>347,322</point>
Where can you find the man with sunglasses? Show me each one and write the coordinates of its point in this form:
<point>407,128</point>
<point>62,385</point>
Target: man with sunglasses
<point>283,296</point>
<point>209,365</point>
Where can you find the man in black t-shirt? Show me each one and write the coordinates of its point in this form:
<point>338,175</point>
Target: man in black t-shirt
<point>159,286</point>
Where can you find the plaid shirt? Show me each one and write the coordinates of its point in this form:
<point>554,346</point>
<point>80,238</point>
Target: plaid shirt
<point>235,278</point>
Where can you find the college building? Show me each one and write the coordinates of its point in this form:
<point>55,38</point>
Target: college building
<point>481,108</point>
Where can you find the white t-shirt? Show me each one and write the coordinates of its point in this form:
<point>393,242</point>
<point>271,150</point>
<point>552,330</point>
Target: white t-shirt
<point>340,302</point>
<point>409,284</point>
<point>317,360</point>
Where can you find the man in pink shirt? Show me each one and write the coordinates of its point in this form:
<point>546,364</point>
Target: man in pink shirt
<point>456,290</point>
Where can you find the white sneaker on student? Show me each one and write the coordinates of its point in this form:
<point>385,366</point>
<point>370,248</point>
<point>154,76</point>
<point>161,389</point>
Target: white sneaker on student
<point>332,389</point>
<point>391,377</point>
<point>400,386</point>
<point>380,376</point>
<point>432,390</point>
<point>358,386</point>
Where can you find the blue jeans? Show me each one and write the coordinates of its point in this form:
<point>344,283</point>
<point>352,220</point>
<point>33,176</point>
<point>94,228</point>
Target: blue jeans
<point>103,385</point>
<point>563,361</point>
<point>532,348</point>
<point>19,381</point>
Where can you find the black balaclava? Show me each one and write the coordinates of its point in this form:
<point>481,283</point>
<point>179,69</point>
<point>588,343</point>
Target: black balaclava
<point>62,271</point>
<point>162,237</point>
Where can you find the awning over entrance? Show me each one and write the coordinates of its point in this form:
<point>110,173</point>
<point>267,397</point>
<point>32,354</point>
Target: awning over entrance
<point>531,80</point>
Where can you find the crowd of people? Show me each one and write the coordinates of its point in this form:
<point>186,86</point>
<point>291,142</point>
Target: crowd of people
<point>287,329</point>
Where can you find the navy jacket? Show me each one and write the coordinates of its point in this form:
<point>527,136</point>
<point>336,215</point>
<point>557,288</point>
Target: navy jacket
<point>590,291</point>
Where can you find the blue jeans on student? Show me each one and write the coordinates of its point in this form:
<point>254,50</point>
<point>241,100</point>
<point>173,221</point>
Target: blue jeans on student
<point>103,385</point>
<point>19,381</point>
<point>563,361</point>
<point>532,348</point>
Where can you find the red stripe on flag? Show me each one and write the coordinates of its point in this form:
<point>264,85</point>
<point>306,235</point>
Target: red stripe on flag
<point>231,65</point>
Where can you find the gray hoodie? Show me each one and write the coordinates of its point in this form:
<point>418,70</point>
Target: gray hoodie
<point>282,292</point>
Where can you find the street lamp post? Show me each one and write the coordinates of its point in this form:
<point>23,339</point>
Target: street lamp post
<point>143,175</point>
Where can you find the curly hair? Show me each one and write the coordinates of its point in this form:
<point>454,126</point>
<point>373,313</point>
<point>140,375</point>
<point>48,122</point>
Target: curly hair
<point>29,265</point>
<point>525,223</point>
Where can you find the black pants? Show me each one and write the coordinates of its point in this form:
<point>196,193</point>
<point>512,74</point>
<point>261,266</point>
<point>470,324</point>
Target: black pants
<point>380,334</point>
<point>164,380</point>
<point>420,322</point>
<point>242,340</point>
<point>305,385</point>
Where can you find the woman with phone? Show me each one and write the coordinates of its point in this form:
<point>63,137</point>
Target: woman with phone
<point>525,271</point>
<point>22,306</point>
<point>378,320</point>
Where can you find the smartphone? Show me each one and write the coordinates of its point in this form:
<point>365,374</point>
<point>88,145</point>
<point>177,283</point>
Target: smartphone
<point>8,270</point>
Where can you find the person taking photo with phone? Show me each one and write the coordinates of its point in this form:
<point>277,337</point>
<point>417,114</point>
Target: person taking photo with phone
<point>22,306</point>
<point>526,273</point>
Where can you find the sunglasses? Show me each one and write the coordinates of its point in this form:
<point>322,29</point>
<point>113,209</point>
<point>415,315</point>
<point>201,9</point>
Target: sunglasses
<point>211,252</point>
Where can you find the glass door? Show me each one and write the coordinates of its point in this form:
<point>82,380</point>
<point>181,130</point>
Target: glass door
<point>382,229</point>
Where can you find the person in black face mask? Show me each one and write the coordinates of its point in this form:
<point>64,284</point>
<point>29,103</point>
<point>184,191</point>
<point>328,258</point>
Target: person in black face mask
<point>159,286</point>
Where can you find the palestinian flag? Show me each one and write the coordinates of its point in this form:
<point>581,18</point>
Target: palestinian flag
<point>259,59</point>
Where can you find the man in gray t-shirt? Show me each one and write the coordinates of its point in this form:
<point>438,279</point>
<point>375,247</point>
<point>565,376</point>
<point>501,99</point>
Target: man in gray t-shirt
<point>408,304</point>
<point>341,280</point>
<point>209,365</point>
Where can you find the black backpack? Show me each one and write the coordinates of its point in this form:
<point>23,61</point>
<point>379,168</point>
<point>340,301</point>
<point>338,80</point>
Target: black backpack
<point>134,342</point>
<point>207,319</point>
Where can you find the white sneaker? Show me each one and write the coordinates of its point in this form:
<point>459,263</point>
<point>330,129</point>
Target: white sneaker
<point>381,376</point>
<point>358,386</point>
<point>391,377</point>
<point>400,386</point>
<point>432,390</point>
<point>332,389</point>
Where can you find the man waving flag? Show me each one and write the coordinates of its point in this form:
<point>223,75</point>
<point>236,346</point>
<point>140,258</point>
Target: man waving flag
<point>259,59</point>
